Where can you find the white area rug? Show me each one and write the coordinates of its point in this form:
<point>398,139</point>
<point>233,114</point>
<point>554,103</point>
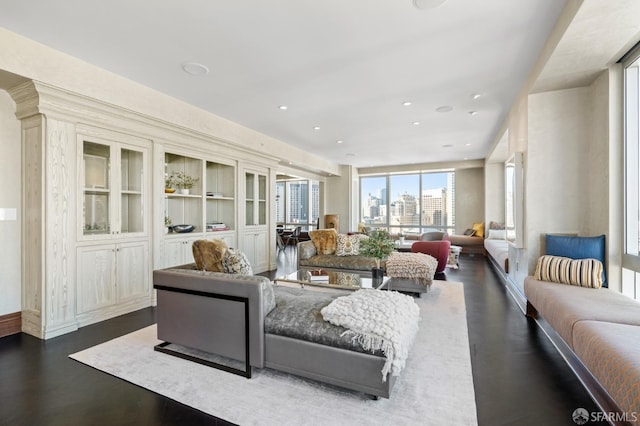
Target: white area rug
<point>435,388</point>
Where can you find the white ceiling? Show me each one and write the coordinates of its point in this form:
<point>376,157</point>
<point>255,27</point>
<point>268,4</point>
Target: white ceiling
<point>343,65</point>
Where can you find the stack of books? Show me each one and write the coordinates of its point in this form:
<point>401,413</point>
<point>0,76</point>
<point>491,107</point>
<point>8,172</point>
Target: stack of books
<point>216,226</point>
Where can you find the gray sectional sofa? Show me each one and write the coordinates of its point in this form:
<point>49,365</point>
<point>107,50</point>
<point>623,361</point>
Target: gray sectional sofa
<point>598,332</point>
<point>248,319</point>
<point>308,258</point>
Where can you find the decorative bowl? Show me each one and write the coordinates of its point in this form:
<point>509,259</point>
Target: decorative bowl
<point>182,228</point>
<point>169,190</point>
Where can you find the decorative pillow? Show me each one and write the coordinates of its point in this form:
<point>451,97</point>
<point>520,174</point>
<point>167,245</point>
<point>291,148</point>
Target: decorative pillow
<point>306,250</point>
<point>208,254</point>
<point>324,240</point>
<point>497,234</point>
<point>236,262</point>
<point>496,225</point>
<point>470,232</point>
<point>578,248</point>
<point>347,245</point>
<point>578,272</point>
<point>479,228</point>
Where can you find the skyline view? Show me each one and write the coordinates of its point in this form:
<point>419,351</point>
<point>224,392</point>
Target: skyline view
<point>409,203</point>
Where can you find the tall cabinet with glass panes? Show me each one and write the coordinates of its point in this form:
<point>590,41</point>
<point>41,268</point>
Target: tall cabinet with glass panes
<point>114,228</point>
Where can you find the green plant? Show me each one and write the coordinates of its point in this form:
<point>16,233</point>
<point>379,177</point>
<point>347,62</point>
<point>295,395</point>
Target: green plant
<point>181,180</point>
<point>167,221</point>
<point>379,246</point>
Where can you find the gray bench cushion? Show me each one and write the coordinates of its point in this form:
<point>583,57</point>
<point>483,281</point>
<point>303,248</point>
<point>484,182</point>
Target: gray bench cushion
<point>297,315</point>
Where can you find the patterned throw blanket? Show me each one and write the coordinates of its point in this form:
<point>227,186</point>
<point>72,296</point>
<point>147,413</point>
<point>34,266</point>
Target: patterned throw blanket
<point>378,320</point>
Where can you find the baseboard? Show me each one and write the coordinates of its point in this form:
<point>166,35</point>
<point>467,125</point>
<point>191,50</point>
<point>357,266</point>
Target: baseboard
<point>10,324</point>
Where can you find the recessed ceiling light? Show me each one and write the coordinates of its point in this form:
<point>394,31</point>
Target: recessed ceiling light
<point>427,4</point>
<point>406,103</point>
<point>339,141</point>
<point>444,108</point>
<point>447,145</point>
<point>476,96</point>
<point>416,123</point>
<point>467,144</point>
<point>465,158</point>
<point>350,154</point>
<point>283,107</point>
<point>195,68</point>
<point>473,112</point>
<point>316,128</point>
<point>290,162</point>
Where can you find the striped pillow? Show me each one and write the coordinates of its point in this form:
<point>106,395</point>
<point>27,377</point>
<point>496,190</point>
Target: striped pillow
<point>578,272</point>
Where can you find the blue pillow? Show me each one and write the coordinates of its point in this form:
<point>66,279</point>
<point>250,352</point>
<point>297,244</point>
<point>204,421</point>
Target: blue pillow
<point>578,248</point>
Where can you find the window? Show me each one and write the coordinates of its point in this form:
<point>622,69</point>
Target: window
<point>297,203</point>
<point>631,260</point>
<point>410,203</point>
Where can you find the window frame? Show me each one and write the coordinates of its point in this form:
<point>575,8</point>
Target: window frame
<point>311,204</point>
<point>631,178</point>
<point>391,228</point>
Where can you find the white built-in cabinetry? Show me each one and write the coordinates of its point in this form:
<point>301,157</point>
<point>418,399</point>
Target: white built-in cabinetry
<point>113,260</point>
<point>255,236</point>
<point>209,206</point>
<point>94,205</point>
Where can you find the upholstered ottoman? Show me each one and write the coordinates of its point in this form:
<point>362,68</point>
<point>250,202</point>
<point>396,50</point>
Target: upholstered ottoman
<point>410,272</point>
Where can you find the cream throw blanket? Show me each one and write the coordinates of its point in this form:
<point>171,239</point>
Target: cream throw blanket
<point>379,320</point>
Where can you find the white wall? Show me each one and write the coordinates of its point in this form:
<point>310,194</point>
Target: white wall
<point>555,190</point>
<point>341,198</point>
<point>494,192</point>
<point>595,159</point>
<point>10,197</point>
<point>470,198</point>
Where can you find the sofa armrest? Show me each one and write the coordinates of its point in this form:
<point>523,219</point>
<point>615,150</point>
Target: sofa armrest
<point>206,311</point>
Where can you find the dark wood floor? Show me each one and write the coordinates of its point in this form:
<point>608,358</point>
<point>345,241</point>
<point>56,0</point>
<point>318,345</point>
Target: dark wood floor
<point>519,377</point>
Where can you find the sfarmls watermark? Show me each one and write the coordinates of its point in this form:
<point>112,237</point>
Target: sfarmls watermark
<point>581,416</point>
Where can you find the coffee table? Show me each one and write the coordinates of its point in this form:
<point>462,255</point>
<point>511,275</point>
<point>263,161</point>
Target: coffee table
<point>331,279</point>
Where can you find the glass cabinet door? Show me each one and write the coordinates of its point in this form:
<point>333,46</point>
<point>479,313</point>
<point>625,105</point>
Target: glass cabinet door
<point>97,188</point>
<point>131,185</point>
<point>255,199</point>
<point>250,201</point>
<point>262,200</point>
<point>113,185</point>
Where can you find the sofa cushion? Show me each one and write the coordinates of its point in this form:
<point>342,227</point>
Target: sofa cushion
<point>297,315</point>
<point>330,261</point>
<point>306,250</point>
<point>611,352</point>
<point>347,245</point>
<point>496,234</point>
<point>236,262</point>
<point>497,226</point>
<point>578,248</point>
<point>479,228</point>
<point>580,272</point>
<point>562,306</point>
<point>324,240</point>
<point>208,254</point>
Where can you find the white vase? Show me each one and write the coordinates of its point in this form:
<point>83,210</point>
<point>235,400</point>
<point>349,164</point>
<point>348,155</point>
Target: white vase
<point>184,191</point>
